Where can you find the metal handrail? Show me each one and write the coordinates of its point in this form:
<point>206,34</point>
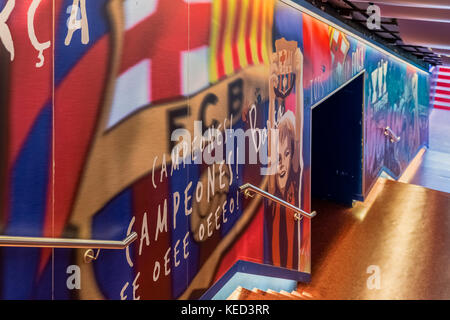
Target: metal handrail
<point>43,242</point>
<point>246,188</point>
<point>391,134</point>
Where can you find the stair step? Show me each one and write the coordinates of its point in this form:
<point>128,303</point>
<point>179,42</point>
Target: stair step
<point>442,104</point>
<point>235,294</point>
<point>279,295</point>
<point>266,295</point>
<point>437,106</point>
<point>290,295</point>
<point>298,295</point>
<point>440,88</point>
<point>306,295</point>
<point>437,98</point>
<point>244,294</point>
<point>444,75</point>
<point>257,294</point>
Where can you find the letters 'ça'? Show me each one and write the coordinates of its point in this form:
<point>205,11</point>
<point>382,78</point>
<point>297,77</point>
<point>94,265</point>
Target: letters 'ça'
<point>74,24</point>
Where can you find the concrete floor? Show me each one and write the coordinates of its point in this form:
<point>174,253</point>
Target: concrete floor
<point>440,130</point>
<point>400,235</point>
<point>434,171</point>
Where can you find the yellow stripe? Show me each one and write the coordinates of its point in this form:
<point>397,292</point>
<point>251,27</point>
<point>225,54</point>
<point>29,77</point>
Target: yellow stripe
<point>270,17</point>
<point>263,24</point>
<point>267,31</point>
<point>331,36</point>
<point>228,37</point>
<point>215,27</point>
<point>241,37</point>
<point>254,32</point>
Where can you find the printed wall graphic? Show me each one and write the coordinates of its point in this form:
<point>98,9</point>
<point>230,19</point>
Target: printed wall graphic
<point>148,118</point>
<point>286,115</point>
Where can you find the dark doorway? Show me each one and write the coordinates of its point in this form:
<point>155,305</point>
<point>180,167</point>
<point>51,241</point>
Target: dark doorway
<point>337,145</point>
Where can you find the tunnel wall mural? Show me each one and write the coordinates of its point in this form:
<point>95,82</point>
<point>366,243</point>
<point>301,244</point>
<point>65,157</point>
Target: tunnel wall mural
<point>147,115</point>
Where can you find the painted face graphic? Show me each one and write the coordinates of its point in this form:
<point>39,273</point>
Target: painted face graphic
<point>284,164</point>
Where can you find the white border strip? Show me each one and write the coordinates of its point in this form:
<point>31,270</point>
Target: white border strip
<point>337,89</point>
<point>447,89</point>
<point>440,103</point>
<point>445,96</point>
<point>439,80</point>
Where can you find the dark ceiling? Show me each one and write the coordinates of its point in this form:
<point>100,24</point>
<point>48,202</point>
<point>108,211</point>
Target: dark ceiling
<point>418,29</point>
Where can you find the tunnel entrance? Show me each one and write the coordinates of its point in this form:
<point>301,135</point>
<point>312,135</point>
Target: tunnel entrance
<point>337,145</point>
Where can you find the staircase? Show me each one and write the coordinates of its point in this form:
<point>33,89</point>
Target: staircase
<point>257,294</point>
<point>440,88</point>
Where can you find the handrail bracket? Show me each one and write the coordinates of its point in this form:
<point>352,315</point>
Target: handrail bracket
<point>248,188</point>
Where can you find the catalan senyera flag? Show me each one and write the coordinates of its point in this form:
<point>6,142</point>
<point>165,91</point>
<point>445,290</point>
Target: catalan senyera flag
<point>241,35</point>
